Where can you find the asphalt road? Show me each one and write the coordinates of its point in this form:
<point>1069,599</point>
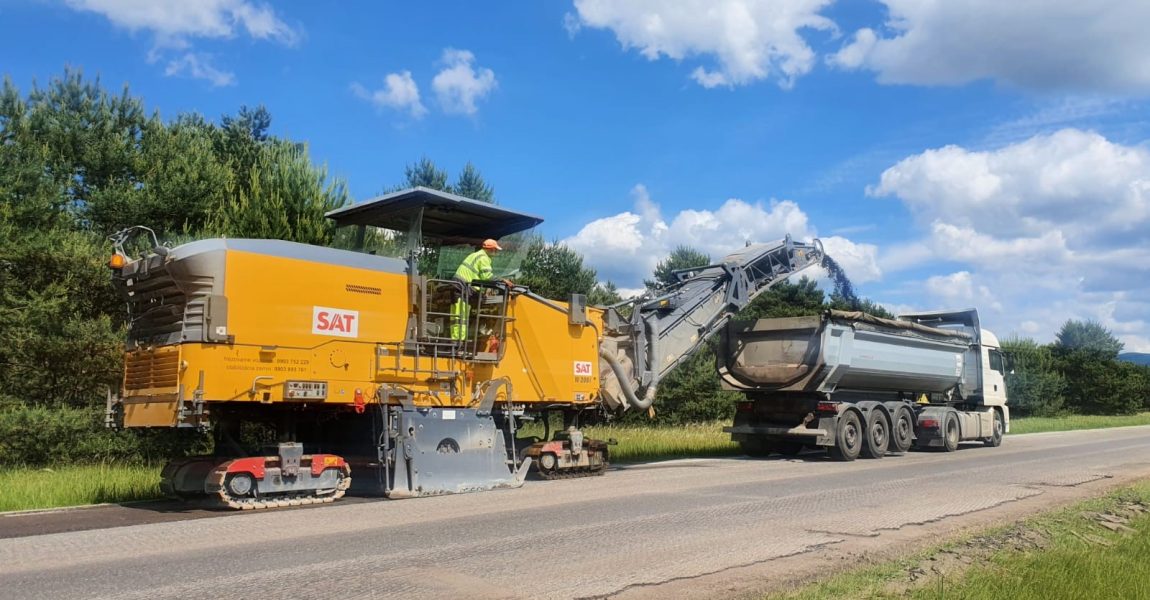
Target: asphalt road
<point>639,530</point>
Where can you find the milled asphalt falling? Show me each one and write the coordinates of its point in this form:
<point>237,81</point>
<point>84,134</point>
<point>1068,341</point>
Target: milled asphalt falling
<point>636,526</point>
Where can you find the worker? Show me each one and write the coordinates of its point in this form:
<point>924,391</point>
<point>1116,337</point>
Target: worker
<point>477,266</point>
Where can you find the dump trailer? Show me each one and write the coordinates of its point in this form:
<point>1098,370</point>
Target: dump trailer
<point>308,364</point>
<point>860,385</point>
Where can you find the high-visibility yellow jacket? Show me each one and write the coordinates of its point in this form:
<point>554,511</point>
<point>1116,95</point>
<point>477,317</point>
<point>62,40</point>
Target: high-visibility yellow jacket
<point>477,265</point>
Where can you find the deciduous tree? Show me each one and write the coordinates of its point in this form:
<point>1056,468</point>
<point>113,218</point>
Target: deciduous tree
<point>1089,335</point>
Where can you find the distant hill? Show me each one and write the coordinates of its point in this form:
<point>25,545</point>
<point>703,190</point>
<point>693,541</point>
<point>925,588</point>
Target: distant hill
<point>1138,358</point>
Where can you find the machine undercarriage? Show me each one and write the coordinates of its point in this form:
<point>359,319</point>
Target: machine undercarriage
<point>420,451</point>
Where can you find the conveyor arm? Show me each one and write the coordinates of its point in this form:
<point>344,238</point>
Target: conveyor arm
<point>667,326</point>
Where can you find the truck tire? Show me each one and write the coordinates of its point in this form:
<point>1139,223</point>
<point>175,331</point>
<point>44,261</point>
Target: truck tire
<point>848,437</point>
<point>876,436</point>
<point>902,431</point>
<point>999,429</point>
<point>950,434</point>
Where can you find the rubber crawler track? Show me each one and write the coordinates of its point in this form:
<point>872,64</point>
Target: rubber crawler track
<point>223,499</point>
<point>573,473</point>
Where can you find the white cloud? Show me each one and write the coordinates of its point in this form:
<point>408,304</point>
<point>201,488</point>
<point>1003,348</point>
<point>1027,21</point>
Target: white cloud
<point>459,85</point>
<point>627,246</point>
<point>1052,228</point>
<point>747,40</point>
<point>571,24</point>
<point>1045,45</point>
<point>1036,44</point>
<point>859,261</point>
<point>173,22</point>
<point>174,26</point>
<point>1072,181</point>
<point>198,66</point>
<point>960,290</point>
<point>905,255</point>
<point>1058,112</point>
<point>966,245</point>
<point>400,92</point>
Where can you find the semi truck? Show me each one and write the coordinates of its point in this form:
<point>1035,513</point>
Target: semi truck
<point>860,385</point>
<point>309,364</point>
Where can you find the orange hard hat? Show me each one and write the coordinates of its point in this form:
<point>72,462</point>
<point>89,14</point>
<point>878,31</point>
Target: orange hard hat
<point>491,245</point>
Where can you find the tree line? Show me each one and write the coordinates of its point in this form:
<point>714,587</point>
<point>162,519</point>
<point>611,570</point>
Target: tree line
<point>1079,372</point>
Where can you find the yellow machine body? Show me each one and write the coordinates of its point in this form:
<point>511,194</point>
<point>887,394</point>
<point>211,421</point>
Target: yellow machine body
<point>293,322</point>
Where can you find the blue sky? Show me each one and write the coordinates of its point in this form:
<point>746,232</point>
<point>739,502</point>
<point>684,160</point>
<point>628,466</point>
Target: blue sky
<point>967,153</point>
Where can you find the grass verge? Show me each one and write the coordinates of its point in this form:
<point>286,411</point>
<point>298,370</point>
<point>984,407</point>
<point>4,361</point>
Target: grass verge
<point>1099,548</point>
<point>649,443</point>
<point>1071,422</point>
<point>27,488</point>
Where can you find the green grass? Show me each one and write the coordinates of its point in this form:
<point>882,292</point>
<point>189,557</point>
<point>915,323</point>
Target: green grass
<point>1073,569</point>
<point>1063,554</point>
<point>1071,422</point>
<point>648,443</point>
<point>29,488</point>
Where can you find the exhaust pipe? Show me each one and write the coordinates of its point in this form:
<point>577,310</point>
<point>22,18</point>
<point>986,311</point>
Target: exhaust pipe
<point>625,384</point>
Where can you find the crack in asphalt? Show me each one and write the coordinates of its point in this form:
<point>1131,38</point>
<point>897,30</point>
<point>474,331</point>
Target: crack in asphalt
<point>647,584</point>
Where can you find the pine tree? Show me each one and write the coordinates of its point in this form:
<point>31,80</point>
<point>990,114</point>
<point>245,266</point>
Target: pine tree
<point>682,257</point>
<point>470,184</point>
<point>425,174</point>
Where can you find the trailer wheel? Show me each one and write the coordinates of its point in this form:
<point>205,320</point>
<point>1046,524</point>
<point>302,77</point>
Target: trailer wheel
<point>950,435</point>
<point>848,437</point>
<point>902,431</point>
<point>876,437</point>
<point>995,439</point>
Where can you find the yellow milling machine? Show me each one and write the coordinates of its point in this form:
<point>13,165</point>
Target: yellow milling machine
<point>349,358</point>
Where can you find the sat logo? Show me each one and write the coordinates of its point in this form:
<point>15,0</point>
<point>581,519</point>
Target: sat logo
<point>334,321</point>
<point>582,368</point>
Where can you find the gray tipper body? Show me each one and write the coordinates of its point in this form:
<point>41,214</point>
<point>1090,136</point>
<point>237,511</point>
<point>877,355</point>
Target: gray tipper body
<point>787,365</point>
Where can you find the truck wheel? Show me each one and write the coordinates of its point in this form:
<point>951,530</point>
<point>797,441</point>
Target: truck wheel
<point>848,437</point>
<point>902,431</point>
<point>995,439</point>
<point>876,437</point>
<point>950,435</point>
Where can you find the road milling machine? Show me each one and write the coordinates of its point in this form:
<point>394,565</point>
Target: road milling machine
<point>345,358</point>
